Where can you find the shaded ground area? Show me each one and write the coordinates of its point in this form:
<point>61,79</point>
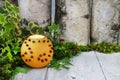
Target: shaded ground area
<point>87,66</point>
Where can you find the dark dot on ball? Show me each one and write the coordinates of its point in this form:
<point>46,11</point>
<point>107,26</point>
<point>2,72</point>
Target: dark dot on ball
<point>43,41</point>
<point>26,60</point>
<point>49,55</point>
<point>42,60</point>
<point>50,45</point>
<point>31,52</point>
<point>38,59</point>
<point>27,45</point>
<point>48,41</point>
<point>25,42</point>
<point>48,38</point>
<point>50,51</point>
<point>29,39</point>
<point>29,48</point>
<point>40,55</point>
<point>39,41</point>
<point>31,56</point>
<point>46,59</point>
<point>25,53</point>
<point>33,41</point>
<point>29,60</point>
<point>52,48</point>
<point>44,54</point>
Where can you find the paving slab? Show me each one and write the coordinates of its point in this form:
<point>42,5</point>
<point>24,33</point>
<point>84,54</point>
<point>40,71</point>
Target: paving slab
<point>21,76</point>
<point>33,74</point>
<point>85,67</point>
<point>110,64</point>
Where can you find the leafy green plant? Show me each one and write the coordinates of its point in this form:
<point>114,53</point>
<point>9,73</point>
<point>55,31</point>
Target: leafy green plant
<point>63,52</point>
<point>9,40</point>
<point>105,47</point>
<point>12,35</point>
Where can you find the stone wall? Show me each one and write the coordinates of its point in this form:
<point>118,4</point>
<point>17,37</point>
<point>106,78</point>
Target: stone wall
<point>106,21</point>
<point>73,17</point>
<point>36,10</point>
<point>1,3</point>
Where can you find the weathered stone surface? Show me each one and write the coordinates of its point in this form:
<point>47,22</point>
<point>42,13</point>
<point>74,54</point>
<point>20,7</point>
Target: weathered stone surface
<point>110,64</point>
<point>35,10</point>
<point>106,21</point>
<point>37,74</point>
<point>1,3</point>
<point>34,74</point>
<point>73,17</point>
<point>85,67</point>
<point>21,76</point>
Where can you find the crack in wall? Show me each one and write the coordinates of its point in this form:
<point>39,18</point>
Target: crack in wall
<point>91,7</point>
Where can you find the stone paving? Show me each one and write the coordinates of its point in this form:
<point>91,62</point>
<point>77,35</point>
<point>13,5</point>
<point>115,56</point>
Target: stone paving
<point>87,66</point>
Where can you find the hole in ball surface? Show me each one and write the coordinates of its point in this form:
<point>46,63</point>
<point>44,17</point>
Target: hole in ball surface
<point>31,56</point>
<point>29,48</point>
<point>33,41</point>
<point>50,51</point>
<point>39,41</point>
<point>46,59</point>
<point>25,53</point>
<point>29,60</point>
<point>42,60</point>
<point>40,55</point>
<point>49,55</point>
<point>31,52</point>
<point>27,45</point>
<point>29,39</point>
<point>26,60</point>
<point>50,45</point>
<point>38,59</point>
<point>43,41</point>
<point>44,54</point>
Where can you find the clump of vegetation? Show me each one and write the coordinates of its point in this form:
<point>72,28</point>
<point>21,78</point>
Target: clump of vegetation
<point>13,33</point>
<point>105,47</point>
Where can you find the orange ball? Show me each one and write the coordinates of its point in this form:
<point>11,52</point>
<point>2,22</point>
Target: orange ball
<point>37,51</point>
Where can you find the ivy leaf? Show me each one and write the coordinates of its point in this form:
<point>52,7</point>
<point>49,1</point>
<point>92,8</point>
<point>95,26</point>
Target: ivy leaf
<point>16,48</point>
<point>9,7</point>
<point>20,70</point>
<point>2,19</point>
<point>8,27</point>
<point>10,56</point>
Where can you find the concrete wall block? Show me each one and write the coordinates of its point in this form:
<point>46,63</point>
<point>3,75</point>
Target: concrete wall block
<point>1,3</point>
<point>106,21</point>
<point>73,17</point>
<point>36,10</point>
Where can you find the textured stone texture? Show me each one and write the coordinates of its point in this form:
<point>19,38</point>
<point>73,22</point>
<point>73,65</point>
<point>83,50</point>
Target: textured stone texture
<point>85,67</point>
<point>110,65</point>
<point>34,74</point>
<point>35,10</point>
<point>106,20</point>
<point>1,3</point>
<point>73,17</point>
<point>21,76</point>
